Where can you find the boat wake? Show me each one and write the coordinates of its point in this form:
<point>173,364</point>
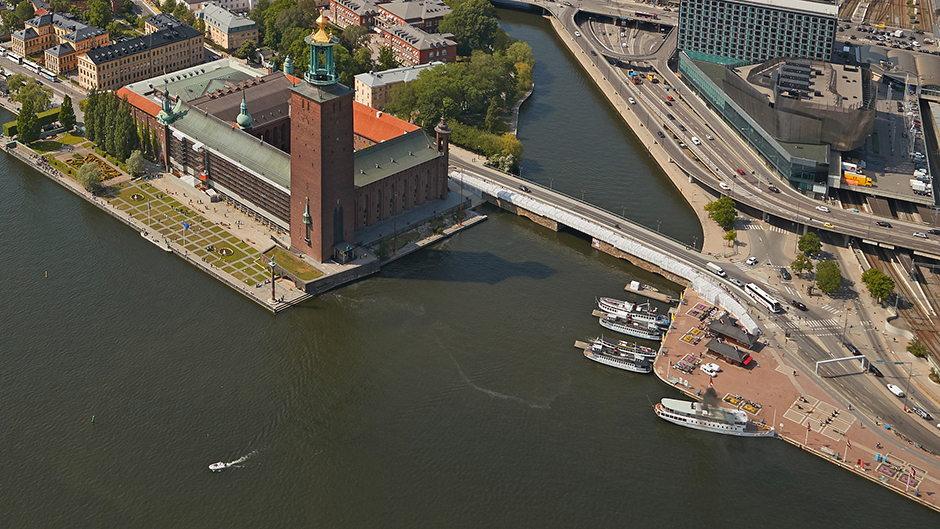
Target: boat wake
<point>221,465</point>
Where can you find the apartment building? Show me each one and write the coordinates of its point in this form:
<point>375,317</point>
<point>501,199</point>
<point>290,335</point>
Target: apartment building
<point>353,12</point>
<point>226,28</point>
<point>414,46</point>
<point>162,52</point>
<point>425,15</point>
<point>373,88</point>
<point>59,38</point>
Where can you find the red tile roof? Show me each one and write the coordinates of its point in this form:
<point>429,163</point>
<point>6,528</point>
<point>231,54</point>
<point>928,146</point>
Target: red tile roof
<point>378,126</point>
<point>139,101</point>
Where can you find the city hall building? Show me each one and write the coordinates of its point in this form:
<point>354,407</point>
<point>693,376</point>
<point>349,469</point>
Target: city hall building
<point>750,31</point>
<point>324,190</point>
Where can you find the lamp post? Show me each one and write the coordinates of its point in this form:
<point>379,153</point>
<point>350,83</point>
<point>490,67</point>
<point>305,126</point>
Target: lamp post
<point>582,195</point>
<point>273,296</point>
<point>551,183</point>
<point>658,224</point>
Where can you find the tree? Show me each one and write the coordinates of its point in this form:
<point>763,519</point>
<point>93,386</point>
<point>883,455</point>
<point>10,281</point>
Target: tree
<point>40,96</point>
<point>879,285</point>
<point>89,176</point>
<point>24,10</point>
<point>722,212</point>
<point>801,264</point>
<point>917,349</point>
<point>67,113</point>
<point>16,81</point>
<point>167,7</point>
<point>809,244</point>
<point>246,51</point>
<point>387,59</point>
<point>136,165</point>
<point>473,23</point>
<point>493,116</point>
<point>828,276</point>
<point>27,124</point>
<point>98,13</point>
<point>731,236</point>
<point>10,21</point>
<point>310,8</point>
<point>354,37</point>
<point>61,6</point>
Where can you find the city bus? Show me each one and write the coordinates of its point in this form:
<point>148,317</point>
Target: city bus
<point>758,295</point>
<point>640,14</point>
<point>48,75</point>
<point>15,58</point>
<point>31,66</point>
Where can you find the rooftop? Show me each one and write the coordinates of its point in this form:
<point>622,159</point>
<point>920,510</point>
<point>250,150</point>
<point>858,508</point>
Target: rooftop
<point>420,39</point>
<point>225,20</point>
<point>820,7</point>
<point>359,7</point>
<point>416,10</point>
<point>395,75</point>
<point>61,50</point>
<point>728,351</point>
<point>378,126</point>
<point>398,154</point>
<point>268,99</point>
<point>164,21</point>
<point>157,39</point>
<point>199,80</point>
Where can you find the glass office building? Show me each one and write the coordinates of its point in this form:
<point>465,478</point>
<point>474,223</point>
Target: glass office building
<point>746,32</point>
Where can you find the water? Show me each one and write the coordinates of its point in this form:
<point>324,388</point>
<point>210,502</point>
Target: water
<point>444,392</point>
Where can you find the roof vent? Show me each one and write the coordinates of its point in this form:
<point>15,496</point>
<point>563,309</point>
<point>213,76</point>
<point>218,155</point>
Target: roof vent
<point>378,113</point>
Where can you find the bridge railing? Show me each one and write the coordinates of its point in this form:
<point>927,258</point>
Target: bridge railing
<point>542,187</point>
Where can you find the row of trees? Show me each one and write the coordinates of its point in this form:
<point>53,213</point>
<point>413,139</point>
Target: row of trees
<point>110,125</point>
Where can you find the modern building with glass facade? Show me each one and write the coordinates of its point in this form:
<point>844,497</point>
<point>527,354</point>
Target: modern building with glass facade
<point>805,166</point>
<point>749,31</point>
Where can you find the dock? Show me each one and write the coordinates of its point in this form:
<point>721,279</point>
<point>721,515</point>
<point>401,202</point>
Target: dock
<point>582,345</point>
<point>650,293</point>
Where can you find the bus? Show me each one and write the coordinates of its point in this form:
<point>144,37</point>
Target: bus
<point>31,66</point>
<point>758,295</point>
<point>15,58</point>
<point>48,75</point>
<point>640,14</point>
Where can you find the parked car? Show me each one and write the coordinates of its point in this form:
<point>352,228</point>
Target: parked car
<point>920,234</point>
<point>852,349</point>
<point>798,304</point>
<point>751,261</point>
<point>883,224</point>
<point>786,275</point>
<point>824,209</point>
<point>710,369</point>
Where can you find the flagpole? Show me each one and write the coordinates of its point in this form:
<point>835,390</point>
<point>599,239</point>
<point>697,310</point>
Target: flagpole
<point>846,456</point>
<point>806,440</point>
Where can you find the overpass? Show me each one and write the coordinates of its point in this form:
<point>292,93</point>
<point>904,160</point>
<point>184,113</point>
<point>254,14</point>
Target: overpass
<point>611,233</point>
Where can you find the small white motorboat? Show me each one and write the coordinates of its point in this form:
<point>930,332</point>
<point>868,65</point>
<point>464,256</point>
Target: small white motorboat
<point>218,467</point>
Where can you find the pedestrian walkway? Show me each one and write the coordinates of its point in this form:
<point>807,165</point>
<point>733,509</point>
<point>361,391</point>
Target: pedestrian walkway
<point>754,225</point>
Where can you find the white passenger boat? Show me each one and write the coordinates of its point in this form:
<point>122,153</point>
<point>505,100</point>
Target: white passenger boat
<point>629,347</point>
<point>631,327</point>
<point>612,356</point>
<point>715,419</point>
<point>218,467</point>
<point>643,312</point>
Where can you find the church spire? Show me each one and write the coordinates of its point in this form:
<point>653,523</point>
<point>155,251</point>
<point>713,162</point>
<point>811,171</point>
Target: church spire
<point>244,118</point>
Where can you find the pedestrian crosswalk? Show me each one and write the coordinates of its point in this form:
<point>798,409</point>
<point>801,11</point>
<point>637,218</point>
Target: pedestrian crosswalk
<point>835,309</point>
<point>820,327</point>
<point>757,226</point>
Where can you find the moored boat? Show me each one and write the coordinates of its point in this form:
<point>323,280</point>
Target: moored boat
<point>716,419</point>
<point>612,356</point>
<point>629,347</point>
<point>631,327</point>
<point>643,312</point>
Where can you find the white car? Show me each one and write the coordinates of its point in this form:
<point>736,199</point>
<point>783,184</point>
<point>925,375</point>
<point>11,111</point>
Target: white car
<point>631,100</point>
<point>751,261</point>
<point>896,390</point>
<point>710,369</point>
<point>824,209</point>
<point>709,137</point>
<point>724,186</point>
<point>696,140</point>
<point>577,33</point>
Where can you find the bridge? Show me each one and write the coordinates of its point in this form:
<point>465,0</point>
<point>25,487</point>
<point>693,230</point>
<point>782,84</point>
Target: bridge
<point>611,233</point>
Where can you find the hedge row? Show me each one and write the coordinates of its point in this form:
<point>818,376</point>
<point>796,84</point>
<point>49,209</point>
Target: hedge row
<point>45,118</point>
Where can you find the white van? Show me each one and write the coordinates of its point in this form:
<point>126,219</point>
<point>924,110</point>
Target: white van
<point>696,140</point>
<point>896,390</point>
<point>716,269</point>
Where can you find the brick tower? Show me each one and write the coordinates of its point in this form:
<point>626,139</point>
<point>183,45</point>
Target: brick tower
<point>322,190</point>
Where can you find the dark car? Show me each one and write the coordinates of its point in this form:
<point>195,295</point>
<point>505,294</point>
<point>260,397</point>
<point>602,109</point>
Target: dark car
<point>883,224</point>
<point>875,371</point>
<point>682,128</point>
<point>668,104</point>
<point>786,275</point>
<point>773,189</point>
<point>524,188</point>
<point>852,349</point>
<point>661,135</point>
<point>798,304</point>
<point>670,116</point>
<point>934,232</point>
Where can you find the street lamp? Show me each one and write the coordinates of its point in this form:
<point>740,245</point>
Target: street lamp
<point>551,183</point>
<point>582,195</point>
<point>658,224</point>
<point>273,296</point>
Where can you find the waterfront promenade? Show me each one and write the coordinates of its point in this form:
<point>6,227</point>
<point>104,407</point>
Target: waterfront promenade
<point>774,392</point>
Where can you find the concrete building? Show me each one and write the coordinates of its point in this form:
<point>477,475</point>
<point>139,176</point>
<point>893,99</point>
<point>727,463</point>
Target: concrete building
<point>793,113</point>
<point>425,15</point>
<point>373,88</point>
<point>59,38</point>
<point>325,190</point>
<point>121,63</point>
<point>748,31</point>
<point>226,28</point>
<point>353,12</point>
<point>414,46</point>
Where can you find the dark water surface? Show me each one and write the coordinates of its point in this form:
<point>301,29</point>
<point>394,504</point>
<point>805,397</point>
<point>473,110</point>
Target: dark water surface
<point>443,393</point>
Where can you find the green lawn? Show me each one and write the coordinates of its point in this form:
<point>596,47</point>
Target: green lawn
<point>71,139</point>
<point>293,265</point>
<point>45,146</point>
